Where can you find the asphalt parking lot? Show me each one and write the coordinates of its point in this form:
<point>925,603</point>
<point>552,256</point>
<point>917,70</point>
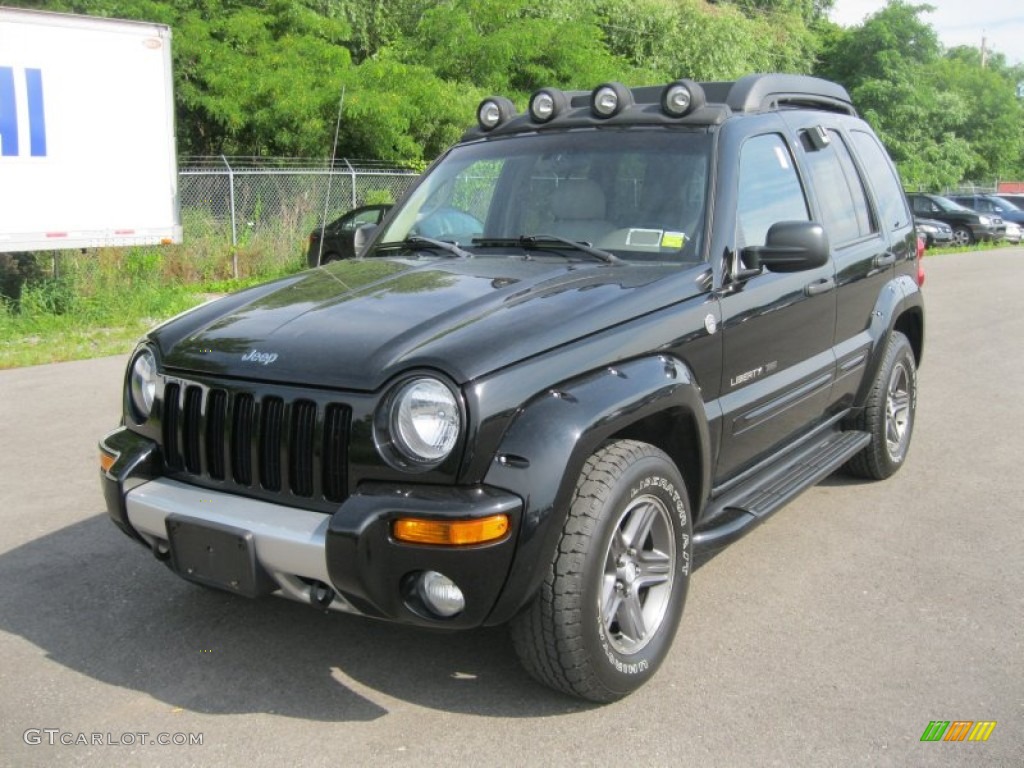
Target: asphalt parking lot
<point>831,636</point>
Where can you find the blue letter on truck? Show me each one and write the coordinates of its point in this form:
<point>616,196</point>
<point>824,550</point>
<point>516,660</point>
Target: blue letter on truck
<point>9,113</point>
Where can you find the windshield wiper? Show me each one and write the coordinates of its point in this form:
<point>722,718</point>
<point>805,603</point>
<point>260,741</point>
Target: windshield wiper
<point>539,241</point>
<point>419,241</point>
<point>444,245</point>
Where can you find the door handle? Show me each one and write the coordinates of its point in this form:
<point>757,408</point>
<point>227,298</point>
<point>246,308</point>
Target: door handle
<point>824,285</point>
<point>886,259</point>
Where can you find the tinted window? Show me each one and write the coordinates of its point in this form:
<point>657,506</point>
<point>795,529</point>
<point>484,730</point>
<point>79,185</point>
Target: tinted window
<point>892,209</point>
<point>770,190</point>
<point>841,196</point>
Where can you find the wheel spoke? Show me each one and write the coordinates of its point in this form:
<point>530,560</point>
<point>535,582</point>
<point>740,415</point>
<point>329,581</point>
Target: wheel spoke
<point>631,618</point>
<point>639,525</point>
<point>610,602</point>
<point>654,568</point>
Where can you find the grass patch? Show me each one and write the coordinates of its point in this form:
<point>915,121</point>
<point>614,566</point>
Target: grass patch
<point>74,306</point>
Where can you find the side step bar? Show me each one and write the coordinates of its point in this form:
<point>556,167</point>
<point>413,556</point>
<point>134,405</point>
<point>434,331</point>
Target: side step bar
<point>737,511</point>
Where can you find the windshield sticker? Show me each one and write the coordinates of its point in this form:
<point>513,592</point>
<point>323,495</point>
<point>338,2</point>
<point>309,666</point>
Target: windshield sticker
<point>673,239</point>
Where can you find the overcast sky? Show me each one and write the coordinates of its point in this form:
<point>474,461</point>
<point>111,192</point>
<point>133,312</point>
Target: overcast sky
<point>958,22</point>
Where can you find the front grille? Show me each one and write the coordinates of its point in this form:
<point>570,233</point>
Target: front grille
<point>269,446</point>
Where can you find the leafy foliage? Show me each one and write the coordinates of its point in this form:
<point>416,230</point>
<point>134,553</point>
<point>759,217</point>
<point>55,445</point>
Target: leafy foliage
<point>264,77</point>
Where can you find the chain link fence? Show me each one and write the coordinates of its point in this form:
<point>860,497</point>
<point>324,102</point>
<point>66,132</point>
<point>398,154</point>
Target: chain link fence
<point>279,200</point>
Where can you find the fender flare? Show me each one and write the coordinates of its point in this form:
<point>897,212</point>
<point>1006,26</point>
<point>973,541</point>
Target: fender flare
<point>543,451</point>
<point>900,307</point>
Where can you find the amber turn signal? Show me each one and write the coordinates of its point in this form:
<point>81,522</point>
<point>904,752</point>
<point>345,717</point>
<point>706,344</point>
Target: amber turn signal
<point>450,533</point>
<point>107,460</point>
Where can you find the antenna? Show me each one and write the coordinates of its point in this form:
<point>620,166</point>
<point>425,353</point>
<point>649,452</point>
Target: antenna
<point>330,178</point>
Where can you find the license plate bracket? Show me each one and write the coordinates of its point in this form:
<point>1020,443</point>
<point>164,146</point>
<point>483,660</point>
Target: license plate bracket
<point>216,555</point>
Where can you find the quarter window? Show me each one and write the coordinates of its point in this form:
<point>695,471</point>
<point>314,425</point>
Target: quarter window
<point>892,206</point>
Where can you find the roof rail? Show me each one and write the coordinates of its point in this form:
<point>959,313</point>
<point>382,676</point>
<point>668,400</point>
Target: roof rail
<point>766,93</point>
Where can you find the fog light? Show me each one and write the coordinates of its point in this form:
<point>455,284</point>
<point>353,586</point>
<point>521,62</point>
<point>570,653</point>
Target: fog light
<point>440,594</point>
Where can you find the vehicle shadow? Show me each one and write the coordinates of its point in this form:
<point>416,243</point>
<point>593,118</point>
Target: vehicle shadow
<point>102,606</point>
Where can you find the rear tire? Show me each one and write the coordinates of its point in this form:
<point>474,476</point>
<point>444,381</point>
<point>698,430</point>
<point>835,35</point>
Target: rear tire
<point>888,414</point>
<point>607,612</point>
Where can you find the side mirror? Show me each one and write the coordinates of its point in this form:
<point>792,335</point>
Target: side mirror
<point>362,236</point>
<point>791,246</point>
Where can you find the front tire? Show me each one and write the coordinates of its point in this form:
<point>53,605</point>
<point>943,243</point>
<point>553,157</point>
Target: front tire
<point>608,609</point>
<point>889,412</point>
<point>962,236</point>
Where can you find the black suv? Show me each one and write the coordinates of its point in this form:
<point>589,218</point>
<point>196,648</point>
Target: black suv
<point>968,226</point>
<point>671,311</point>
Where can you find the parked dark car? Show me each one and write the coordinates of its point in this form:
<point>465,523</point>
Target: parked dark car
<point>933,232</point>
<point>338,236</point>
<point>991,204</point>
<point>968,226</point>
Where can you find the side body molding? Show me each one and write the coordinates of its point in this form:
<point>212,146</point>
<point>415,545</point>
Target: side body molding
<point>544,450</point>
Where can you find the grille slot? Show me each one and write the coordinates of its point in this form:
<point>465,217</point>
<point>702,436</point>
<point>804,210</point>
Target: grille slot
<point>216,419</point>
<point>270,443</point>
<point>190,429</point>
<point>335,461</point>
<point>284,449</point>
<point>301,447</point>
<point>171,414</point>
<point>241,439</point>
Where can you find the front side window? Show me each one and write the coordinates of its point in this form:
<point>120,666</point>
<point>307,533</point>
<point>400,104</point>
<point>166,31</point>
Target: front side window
<point>639,194</point>
<point>770,189</point>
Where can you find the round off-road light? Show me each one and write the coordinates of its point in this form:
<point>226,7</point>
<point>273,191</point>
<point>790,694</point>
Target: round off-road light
<point>440,594</point>
<point>681,97</point>
<point>609,99</point>
<point>142,384</point>
<point>547,104</point>
<point>494,111</point>
<point>676,100</point>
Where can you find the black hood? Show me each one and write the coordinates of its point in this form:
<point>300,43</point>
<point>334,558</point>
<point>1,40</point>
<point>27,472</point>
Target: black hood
<point>355,324</point>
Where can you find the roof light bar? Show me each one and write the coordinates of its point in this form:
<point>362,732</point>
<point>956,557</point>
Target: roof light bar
<point>609,99</point>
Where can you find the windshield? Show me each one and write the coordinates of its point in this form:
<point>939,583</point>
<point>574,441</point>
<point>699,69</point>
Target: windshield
<point>948,205</point>
<point>636,194</point>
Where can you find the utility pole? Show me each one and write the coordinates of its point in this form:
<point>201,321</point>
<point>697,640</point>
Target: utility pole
<point>984,52</point>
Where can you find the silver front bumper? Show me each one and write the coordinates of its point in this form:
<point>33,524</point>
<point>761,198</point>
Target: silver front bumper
<point>290,543</point>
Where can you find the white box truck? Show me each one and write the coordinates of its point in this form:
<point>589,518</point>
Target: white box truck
<point>87,146</point>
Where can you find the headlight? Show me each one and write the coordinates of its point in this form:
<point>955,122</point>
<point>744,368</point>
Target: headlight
<point>424,421</point>
<point>985,220</point>
<point>142,384</point>
<point>927,228</point>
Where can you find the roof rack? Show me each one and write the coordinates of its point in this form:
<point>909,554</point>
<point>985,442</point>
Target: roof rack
<point>766,93</point>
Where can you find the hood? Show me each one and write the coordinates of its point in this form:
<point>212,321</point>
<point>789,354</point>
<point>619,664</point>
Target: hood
<point>355,324</point>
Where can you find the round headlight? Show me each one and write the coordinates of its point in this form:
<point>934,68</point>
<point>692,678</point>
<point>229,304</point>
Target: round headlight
<point>143,384</point>
<point>425,421</point>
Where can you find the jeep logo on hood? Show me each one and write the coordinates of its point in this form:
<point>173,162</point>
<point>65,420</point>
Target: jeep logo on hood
<point>255,356</point>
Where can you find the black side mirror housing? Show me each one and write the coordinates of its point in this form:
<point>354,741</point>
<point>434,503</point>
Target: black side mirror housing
<point>791,246</point>
<point>362,236</point>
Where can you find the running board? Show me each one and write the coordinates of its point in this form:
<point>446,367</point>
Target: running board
<point>738,511</point>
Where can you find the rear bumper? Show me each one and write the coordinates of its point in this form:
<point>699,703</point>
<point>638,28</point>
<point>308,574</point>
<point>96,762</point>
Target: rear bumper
<point>346,561</point>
